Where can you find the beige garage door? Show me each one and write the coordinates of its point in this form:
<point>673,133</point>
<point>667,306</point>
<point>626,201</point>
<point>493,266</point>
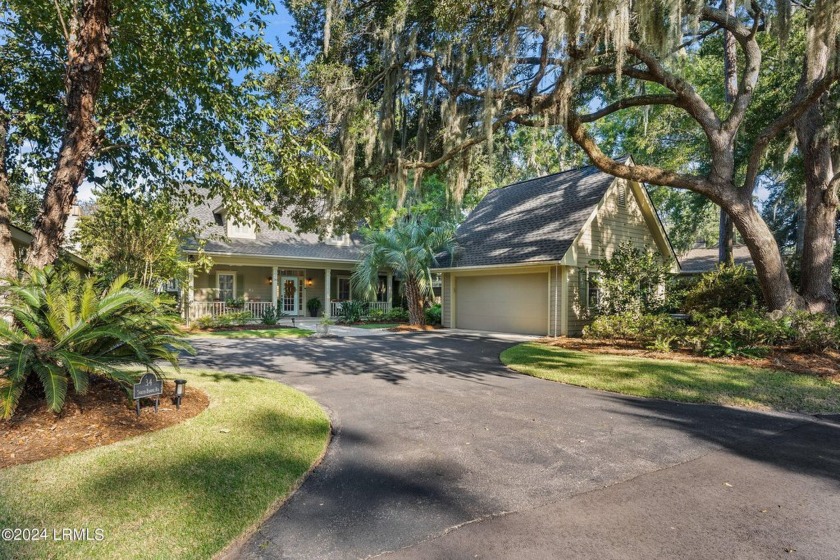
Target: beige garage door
<point>513,303</point>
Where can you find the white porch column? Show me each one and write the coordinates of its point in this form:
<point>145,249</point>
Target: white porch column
<point>327,282</point>
<point>190,294</point>
<point>389,286</point>
<point>274,287</point>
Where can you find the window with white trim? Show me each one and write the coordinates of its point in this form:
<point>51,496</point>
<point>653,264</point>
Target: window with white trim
<point>240,231</point>
<point>343,288</point>
<point>226,285</point>
<point>593,292</point>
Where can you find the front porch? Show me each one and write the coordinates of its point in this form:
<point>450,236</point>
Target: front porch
<point>253,287</point>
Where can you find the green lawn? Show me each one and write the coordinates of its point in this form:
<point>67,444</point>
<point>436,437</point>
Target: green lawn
<point>183,492</point>
<point>677,381</point>
<point>286,332</point>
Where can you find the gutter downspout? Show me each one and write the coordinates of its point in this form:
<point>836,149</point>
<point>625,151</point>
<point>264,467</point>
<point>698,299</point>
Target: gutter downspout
<point>556,300</point>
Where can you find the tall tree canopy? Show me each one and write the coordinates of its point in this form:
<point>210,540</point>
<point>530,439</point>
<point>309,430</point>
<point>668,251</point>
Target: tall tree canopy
<point>152,95</point>
<point>422,84</point>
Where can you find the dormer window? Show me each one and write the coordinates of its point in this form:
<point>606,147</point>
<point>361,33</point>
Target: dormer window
<point>240,231</point>
<point>233,227</point>
<point>339,240</point>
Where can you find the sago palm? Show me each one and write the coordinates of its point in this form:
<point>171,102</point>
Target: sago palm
<point>64,330</point>
<point>409,248</point>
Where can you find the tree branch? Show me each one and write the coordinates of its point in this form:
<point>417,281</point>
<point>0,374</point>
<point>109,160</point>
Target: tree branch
<point>639,173</point>
<point>800,104</point>
<point>695,105</point>
<point>638,101</point>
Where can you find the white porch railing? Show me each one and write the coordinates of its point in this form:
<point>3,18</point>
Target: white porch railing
<point>216,308</point>
<point>335,307</point>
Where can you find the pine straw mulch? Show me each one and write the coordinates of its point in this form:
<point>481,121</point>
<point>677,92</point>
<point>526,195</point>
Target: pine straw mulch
<point>415,328</point>
<point>102,416</point>
<point>249,327</point>
<point>825,364</point>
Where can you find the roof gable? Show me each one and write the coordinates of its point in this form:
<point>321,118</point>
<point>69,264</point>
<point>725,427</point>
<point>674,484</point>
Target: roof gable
<point>268,242</point>
<point>531,221</point>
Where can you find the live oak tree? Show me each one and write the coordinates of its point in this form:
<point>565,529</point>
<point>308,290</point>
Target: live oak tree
<point>416,85</point>
<point>153,96</point>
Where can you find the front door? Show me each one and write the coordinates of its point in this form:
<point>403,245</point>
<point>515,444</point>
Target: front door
<point>289,295</point>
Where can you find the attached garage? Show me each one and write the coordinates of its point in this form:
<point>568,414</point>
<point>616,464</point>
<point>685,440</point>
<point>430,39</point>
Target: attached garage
<point>526,257</point>
<point>511,303</point>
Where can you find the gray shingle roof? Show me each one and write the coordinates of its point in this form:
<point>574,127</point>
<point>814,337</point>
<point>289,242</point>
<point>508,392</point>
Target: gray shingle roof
<point>531,221</point>
<point>271,242</point>
<point>704,259</point>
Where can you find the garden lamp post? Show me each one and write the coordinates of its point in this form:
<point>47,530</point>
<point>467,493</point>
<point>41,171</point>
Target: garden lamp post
<point>179,392</point>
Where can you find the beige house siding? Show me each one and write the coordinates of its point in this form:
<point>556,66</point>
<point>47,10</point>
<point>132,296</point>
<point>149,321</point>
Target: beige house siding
<point>612,225</point>
<point>252,283</point>
<point>446,299</point>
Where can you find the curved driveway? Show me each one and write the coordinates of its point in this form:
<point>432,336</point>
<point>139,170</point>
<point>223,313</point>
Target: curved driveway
<point>440,452</point>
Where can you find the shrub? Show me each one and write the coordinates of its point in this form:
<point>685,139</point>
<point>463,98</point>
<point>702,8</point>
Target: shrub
<point>715,333</point>
<point>727,288</point>
<point>397,314</point>
<point>631,327</point>
<point>433,315</point>
<point>353,311</point>
<point>271,316</point>
<point>231,319</point>
<point>64,337</point>
<point>375,315</point>
<point>630,281</point>
<point>813,332</point>
<point>676,290</point>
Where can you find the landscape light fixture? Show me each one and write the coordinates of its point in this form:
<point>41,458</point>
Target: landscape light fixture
<point>179,392</point>
<point>309,282</point>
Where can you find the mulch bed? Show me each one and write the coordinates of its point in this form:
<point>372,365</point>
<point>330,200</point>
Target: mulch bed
<point>102,416</point>
<point>415,328</point>
<point>825,364</point>
<point>260,327</point>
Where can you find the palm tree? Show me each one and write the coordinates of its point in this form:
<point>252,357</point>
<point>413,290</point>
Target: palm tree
<point>64,330</point>
<point>408,248</point>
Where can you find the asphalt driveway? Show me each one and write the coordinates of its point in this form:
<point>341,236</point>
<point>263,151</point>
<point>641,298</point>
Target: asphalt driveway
<point>440,452</point>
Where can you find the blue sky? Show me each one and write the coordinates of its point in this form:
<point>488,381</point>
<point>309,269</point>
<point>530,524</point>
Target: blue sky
<point>277,30</point>
<point>279,25</point>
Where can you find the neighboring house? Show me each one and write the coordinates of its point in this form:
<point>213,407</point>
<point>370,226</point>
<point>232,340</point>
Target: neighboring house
<point>523,262</point>
<point>22,239</point>
<point>267,267</point>
<point>703,259</point>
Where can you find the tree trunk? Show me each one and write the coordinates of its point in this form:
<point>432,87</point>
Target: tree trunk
<point>8,268</point>
<point>776,286</point>
<point>416,316</point>
<point>726,233</point>
<point>87,53</point>
<point>726,240</point>
<point>814,141</point>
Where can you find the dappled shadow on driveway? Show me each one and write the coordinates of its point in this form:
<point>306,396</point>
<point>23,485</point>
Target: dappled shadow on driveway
<point>432,432</point>
<point>785,441</point>
<point>387,358</point>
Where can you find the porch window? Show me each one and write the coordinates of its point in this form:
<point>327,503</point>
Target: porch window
<point>343,291</point>
<point>226,285</point>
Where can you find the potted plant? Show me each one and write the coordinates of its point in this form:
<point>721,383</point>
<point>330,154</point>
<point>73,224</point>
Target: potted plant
<point>235,303</point>
<point>313,305</point>
<point>323,326</point>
